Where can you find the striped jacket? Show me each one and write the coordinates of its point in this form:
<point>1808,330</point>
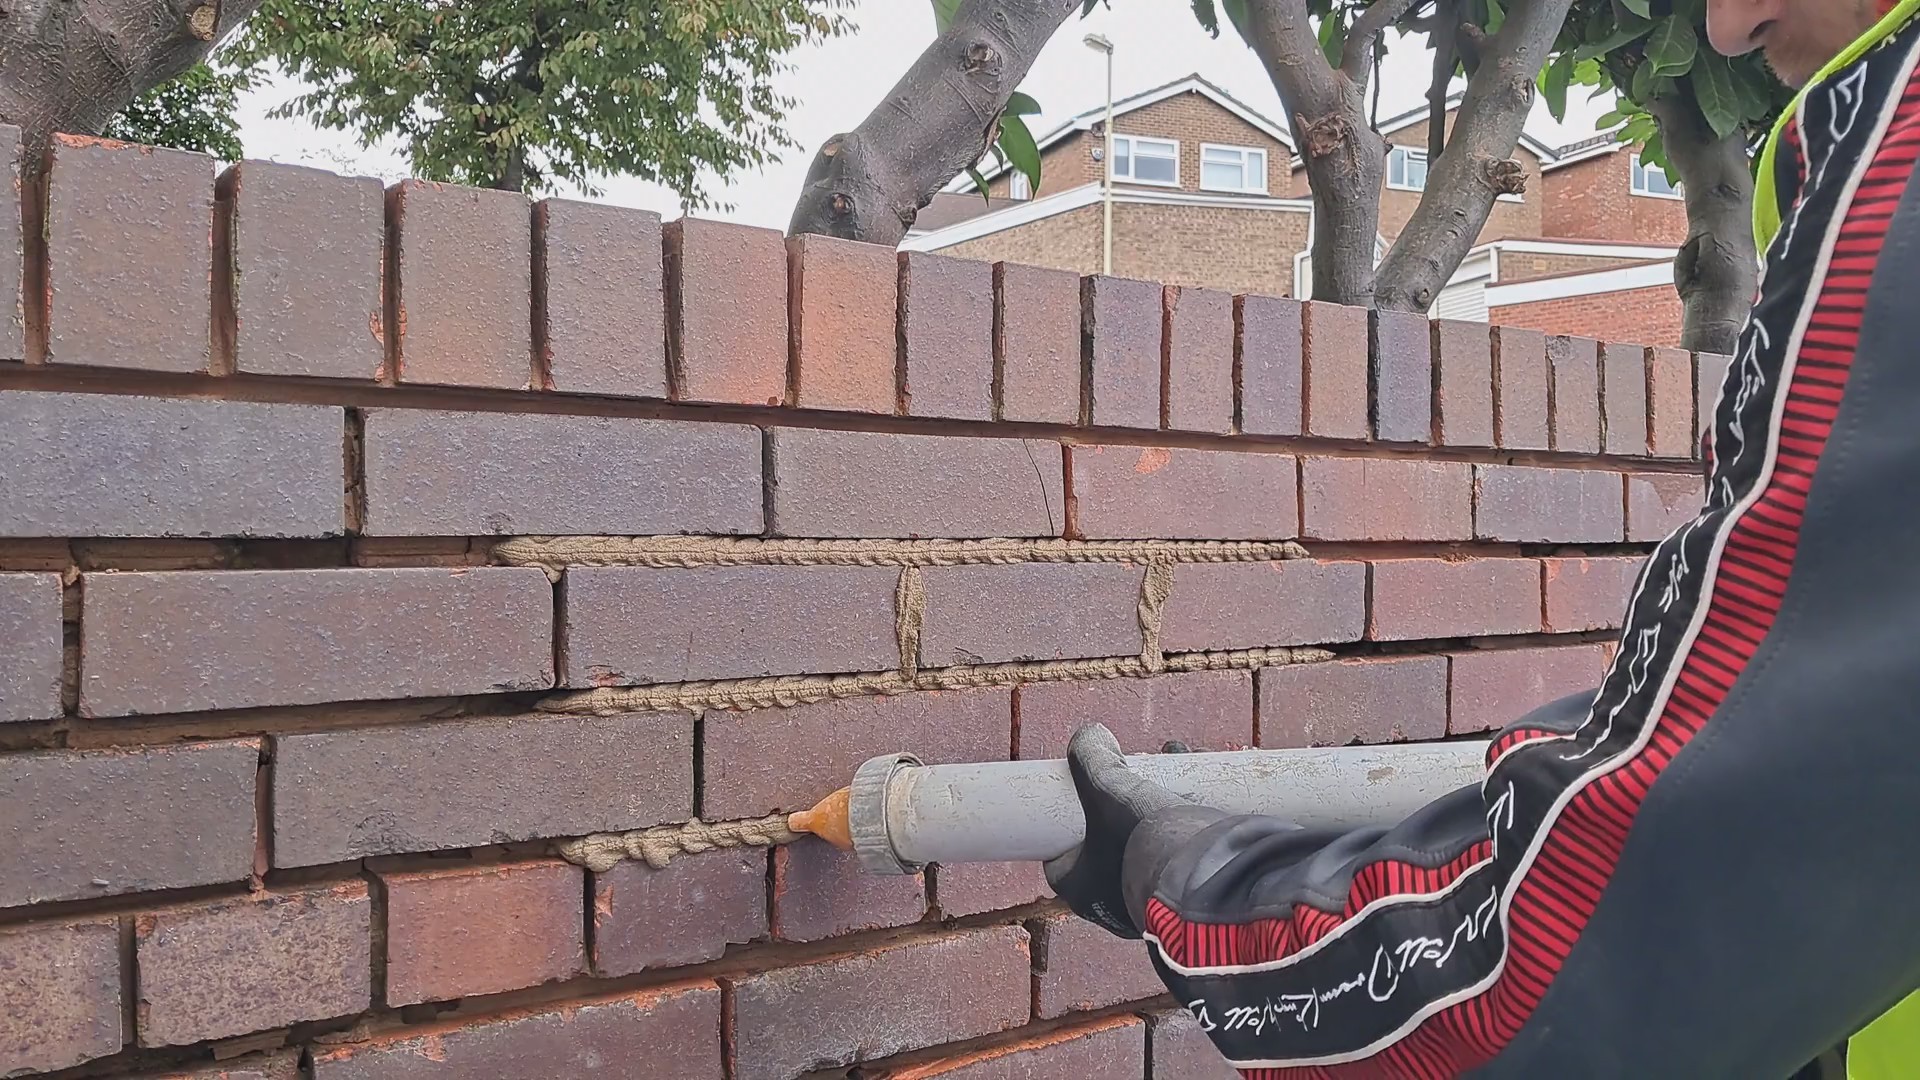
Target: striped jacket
<point>1706,867</point>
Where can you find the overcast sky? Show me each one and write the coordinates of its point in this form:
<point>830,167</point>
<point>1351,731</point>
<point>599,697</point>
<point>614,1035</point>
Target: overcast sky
<point>839,82</point>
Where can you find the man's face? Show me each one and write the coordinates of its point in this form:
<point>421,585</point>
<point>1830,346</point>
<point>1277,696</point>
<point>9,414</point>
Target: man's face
<point>1798,35</point>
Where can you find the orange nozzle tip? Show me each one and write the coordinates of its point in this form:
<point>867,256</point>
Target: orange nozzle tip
<point>827,820</point>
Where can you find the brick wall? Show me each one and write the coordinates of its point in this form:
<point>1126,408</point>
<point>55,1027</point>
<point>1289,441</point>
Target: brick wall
<point>1657,315</point>
<point>1594,200</point>
<point>447,527</point>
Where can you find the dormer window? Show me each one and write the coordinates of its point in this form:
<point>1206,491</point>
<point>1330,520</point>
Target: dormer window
<point>1407,169</point>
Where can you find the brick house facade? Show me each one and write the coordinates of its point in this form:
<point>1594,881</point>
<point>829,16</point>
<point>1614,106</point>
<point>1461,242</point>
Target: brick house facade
<point>1208,193</point>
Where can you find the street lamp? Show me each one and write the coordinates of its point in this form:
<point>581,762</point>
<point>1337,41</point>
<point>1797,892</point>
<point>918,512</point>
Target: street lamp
<point>1100,44</point>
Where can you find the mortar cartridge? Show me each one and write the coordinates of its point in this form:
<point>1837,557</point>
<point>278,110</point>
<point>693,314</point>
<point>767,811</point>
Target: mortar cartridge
<point>898,815</point>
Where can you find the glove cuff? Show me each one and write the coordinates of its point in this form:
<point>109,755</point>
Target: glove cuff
<point>1154,843</point>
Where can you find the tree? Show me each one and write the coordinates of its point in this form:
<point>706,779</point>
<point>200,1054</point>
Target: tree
<point>937,121</point>
<point>71,67</point>
<point>532,95</point>
<point>1692,110</point>
<point>193,112</point>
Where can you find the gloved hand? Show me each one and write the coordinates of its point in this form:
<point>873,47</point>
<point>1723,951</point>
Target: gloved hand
<point>1115,800</point>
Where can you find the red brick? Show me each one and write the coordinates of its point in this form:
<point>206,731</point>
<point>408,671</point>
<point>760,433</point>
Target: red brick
<point>820,892</point>
<point>206,468</point>
<point>1659,503</point>
<point>1463,394</point>
<point>639,624</point>
<point>129,256</point>
<point>463,285</point>
<point>1108,1049</point>
<point>975,888</point>
<point>946,336</point>
<point>1078,967</point>
<point>674,1030</point>
<point>233,639</point>
<point>1334,342</point>
<point>1198,345</point>
<point>1122,327</point>
<point>841,308</point>
<point>1589,594</point>
<point>1524,504</point>
<point>599,272</point>
<point>1710,372</point>
<point>1670,390</point>
<point>1267,347</point>
<point>1402,351</point>
<point>1436,598</point>
<point>1155,492</point>
<point>855,483</point>
<point>59,995</point>
<point>1492,689</point>
<point>1211,710</point>
<point>686,912</point>
<point>431,473</point>
<point>98,823</point>
<point>385,790</point>
<point>1036,331</point>
<point>30,616</point>
<point>1029,611</point>
<point>304,265</point>
<point>1253,605</point>
<point>1623,398</point>
<point>1575,364</point>
<point>482,929</point>
<point>1182,1051</point>
<point>726,312</point>
<point>757,762</point>
<point>1520,389</point>
<point>260,961</point>
<point>844,1009</point>
<point>1386,499</point>
<point>13,342</point>
<point>1390,699</point>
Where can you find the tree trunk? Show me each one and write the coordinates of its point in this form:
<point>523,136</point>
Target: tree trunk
<point>1478,164</point>
<point>1345,157</point>
<point>68,66</point>
<point>869,183</point>
<point>1716,270</point>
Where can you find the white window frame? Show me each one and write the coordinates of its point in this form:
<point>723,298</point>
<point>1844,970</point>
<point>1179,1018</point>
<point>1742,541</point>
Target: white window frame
<point>1410,152</point>
<point>1018,186</point>
<point>1133,141</point>
<point>1246,167</point>
<point>1635,167</point>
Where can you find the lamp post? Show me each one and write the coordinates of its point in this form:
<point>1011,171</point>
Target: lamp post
<point>1100,44</point>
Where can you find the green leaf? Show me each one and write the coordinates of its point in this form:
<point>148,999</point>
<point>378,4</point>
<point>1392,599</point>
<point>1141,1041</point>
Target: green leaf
<point>1496,16</point>
<point>1641,89</point>
<point>1553,85</point>
<point>1017,143</point>
<point>1608,120</point>
<point>943,13</point>
<point>980,184</point>
<point>1653,150</point>
<point>1020,104</point>
<point>1236,14</point>
<point>1642,8</point>
<point>1208,15</point>
<point>1333,38</point>
<point>1621,35</point>
<point>1672,47</point>
<point>1086,9</point>
<point>1714,93</point>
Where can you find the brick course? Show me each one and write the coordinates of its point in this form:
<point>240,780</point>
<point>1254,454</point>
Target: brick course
<point>1385,499</point>
<point>1436,598</point>
<point>481,930</point>
<point>1523,504</point>
<point>1127,492</point>
<point>1253,605</point>
<point>1032,611</point>
<point>847,483</point>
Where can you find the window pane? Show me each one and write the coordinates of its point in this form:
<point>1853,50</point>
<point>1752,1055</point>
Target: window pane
<point>1257,169</point>
<point>1417,171</point>
<point>1396,166</point>
<point>1122,155</point>
<point>1156,169</point>
<point>1223,175</point>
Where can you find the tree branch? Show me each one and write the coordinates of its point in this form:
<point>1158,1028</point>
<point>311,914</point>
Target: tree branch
<point>1357,54</point>
<point>1716,271</point>
<point>869,183</point>
<point>1443,62</point>
<point>1477,165</point>
<point>70,67</point>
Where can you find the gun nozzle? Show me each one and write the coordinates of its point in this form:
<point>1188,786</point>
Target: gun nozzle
<point>827,820</point>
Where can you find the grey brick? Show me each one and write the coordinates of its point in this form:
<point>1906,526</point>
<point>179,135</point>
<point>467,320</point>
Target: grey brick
<point>460,474</point>
<point>1029,611</point>
<point>465,281</point>
<point>30,664</point>
<point>59,994</point>
<point>604,326</point>
<point>853,483</point>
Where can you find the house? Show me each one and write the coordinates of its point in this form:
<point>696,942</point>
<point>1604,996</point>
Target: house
<point>1208,192</point>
